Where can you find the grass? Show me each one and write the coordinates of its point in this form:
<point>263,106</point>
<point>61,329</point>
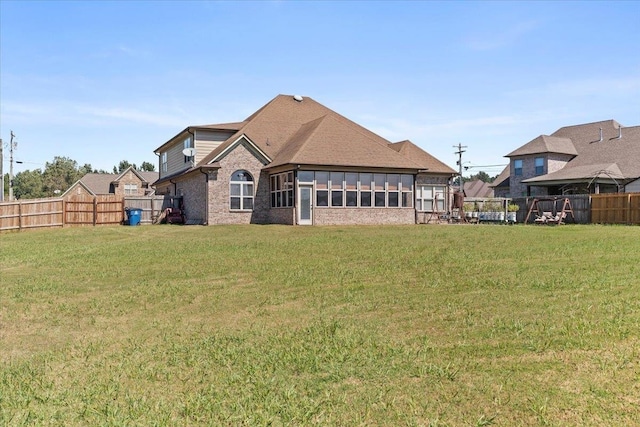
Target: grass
<point>276,325</point>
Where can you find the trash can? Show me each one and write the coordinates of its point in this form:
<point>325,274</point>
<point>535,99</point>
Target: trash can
<point>133,215</point>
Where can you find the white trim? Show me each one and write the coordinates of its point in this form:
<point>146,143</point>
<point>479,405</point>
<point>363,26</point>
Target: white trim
<point>266,159</point>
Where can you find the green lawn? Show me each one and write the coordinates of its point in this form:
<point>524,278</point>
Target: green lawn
<point>345,326</point>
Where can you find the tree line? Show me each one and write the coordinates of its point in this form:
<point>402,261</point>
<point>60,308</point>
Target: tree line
<point>58,176</point>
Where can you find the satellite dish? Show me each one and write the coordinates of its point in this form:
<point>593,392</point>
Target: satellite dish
<point>189,152</point>
<point>297,98</point>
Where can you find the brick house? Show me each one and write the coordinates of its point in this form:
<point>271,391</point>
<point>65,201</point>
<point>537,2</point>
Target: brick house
<point>128,183</point>
<point>600,157</point>
<point>295,161</point>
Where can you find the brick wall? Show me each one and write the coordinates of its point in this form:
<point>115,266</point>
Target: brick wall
<point>364,216</point>
<point>553,162</point>
<point>129,178</point>
<point>286,216</point>
<point>240,158</point>
<point>192,190</point>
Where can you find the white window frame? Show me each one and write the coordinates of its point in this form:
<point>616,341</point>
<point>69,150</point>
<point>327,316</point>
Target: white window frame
<point>131,189</point>
<point>344,185</point>
<point>243,194</point>
<point>187,143</point>
<point>427,195</point>
<point>164,162</point>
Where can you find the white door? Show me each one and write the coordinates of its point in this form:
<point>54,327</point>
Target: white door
<point>305,204</point>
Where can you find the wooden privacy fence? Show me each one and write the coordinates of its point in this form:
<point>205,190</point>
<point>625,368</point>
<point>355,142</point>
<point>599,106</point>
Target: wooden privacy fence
<point>96,210</point>
<point>618,208</point>
<point>152,206</point>
<point>31,213</point>
<point>80,211</point>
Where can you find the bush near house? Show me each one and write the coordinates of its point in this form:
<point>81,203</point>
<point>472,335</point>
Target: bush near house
<point>276,325</point>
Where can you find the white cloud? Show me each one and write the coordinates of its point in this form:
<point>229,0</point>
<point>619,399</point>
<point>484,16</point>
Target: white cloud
<point>501,37</point>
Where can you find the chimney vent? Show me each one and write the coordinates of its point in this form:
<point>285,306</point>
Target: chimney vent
<point>600,135</point>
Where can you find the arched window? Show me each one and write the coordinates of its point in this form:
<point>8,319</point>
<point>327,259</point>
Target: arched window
<point>241,191</point>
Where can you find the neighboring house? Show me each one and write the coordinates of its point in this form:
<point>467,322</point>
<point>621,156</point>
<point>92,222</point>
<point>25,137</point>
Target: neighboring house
<point>295,161</point>
<point>477,189</point>
<point>600,157</point>
<point>128,183</point>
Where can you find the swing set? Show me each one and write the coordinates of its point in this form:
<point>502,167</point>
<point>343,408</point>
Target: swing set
<point>555,217</point>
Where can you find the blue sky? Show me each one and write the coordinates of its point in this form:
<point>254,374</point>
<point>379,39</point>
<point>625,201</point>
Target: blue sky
<point>100,82</point>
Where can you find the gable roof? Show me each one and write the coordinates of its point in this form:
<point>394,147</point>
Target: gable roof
<point>100,183</point>
<point>290,131</point>
<point>79,183</point>
<point>424,159</point>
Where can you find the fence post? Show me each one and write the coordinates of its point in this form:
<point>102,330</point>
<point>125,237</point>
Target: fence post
<point>95,210</point>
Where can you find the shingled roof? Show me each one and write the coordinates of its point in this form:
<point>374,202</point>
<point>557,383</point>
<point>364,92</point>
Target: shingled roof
<point>293,131</point>
<point>616,154</point>
<point>101,183</point>
<point>545,144</point>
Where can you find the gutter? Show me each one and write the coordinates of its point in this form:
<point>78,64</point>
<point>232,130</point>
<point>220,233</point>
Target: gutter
<point>206,186</point>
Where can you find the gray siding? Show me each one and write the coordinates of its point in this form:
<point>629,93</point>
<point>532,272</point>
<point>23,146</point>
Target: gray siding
<point>633,187</point>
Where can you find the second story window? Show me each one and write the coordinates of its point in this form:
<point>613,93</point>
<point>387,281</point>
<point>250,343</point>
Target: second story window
<point>131,189</point>
<point>163,162</point>
<point>517,167</point>
<point>188,143</point>
<point>539,165</point>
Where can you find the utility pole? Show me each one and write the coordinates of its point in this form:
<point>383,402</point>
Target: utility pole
<point>12,146</point>
<point>459,163</point>
<point>1,173</point>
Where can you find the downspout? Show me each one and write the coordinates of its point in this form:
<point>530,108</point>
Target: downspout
<point>175,187</point>
<point>206,185</point>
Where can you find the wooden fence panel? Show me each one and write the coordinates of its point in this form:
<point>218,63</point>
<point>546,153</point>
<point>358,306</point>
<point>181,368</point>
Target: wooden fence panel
<point>152,206</point>
<point>634,208</point>
<point>81,210</point>
<point>619,208</point>
<point>31,213</point>
<point>94,210</point>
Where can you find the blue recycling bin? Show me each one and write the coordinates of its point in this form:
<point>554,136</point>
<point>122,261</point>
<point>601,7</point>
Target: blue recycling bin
<point>133,216</point>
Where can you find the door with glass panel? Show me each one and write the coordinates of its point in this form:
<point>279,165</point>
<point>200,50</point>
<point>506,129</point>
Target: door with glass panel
<point>305,204</point>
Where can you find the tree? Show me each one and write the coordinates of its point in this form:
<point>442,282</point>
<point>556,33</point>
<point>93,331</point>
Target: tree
<point>85,170</point>
<point>482,176</point>
<point>148,167</point>
<point>28,185</point>
<point>122,166</point>
<point>60,175</point>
